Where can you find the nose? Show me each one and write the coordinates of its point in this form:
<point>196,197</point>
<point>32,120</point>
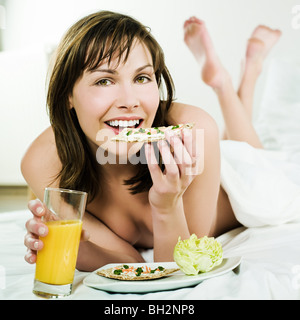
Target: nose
<point>127,97</point>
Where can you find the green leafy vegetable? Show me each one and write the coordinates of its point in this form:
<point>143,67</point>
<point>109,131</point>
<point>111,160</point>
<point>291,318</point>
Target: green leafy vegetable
<point>118,271</point>
<point>195,255</point>
<point>138,271</point>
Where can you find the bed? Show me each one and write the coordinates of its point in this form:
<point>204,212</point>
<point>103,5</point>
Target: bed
<point>270,267</point>
<point>264,190</point>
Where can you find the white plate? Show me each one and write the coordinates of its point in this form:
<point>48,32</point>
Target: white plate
<point>175,280</point>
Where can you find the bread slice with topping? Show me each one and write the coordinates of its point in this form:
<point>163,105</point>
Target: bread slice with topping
<point>149,134</point>
<point>125,272</point>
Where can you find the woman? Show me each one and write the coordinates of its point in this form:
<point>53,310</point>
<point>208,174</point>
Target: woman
<point>109,73</point>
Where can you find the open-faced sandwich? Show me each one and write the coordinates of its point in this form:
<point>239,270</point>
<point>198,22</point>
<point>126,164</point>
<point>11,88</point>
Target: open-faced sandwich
<point>126,272</point>
<point>149,134</point>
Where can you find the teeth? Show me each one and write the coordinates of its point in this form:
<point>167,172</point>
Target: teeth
<point>123,123</point>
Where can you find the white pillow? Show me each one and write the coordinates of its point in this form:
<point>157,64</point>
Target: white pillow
<point>278,121</point>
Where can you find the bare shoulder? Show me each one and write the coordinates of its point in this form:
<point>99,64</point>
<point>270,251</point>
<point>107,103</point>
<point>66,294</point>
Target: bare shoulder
<point>40,163</point>
<point>184,113</point>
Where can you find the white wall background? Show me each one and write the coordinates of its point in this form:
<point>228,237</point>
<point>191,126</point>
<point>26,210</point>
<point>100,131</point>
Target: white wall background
<point>31,26</point>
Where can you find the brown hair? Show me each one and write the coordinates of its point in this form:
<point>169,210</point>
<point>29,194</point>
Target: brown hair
<point>92,39</point>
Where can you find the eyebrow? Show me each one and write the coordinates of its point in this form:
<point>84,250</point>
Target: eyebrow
<point>113,71</point>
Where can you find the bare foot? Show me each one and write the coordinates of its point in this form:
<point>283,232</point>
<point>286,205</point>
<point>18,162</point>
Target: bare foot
<point>259,45</point>
<point>198,41</point>
<point>268,36</point>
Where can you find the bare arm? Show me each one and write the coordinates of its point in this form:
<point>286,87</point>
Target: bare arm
<point>200,199</point>
<point>185,204</point>
<point>40,165</point>
<point>103,247</point>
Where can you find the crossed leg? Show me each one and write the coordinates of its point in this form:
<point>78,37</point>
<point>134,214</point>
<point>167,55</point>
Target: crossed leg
<point>236,107</point>
<point>259,45</point>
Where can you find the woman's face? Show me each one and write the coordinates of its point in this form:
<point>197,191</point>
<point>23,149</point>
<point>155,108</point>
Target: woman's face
<point>115,96</point>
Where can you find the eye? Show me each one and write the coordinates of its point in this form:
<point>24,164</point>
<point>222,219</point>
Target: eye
<point>142,79</point>
<point>104,82</point>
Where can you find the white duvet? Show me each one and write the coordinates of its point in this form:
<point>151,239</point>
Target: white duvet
<point>264,185</point>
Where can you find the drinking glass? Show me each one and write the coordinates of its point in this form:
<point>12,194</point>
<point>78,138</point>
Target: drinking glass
<point>56,262</point>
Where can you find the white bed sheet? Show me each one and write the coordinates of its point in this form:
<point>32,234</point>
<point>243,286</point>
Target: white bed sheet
<point>270,268</point>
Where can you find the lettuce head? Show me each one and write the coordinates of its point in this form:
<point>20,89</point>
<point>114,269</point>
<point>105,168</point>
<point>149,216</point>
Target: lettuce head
<point>195,255</point>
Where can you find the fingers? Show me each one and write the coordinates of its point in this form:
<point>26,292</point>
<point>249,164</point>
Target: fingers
<point>184,154</point>
<point>182,150</point>
<point>175,157</point>
<point>152,163</point>
<point>187,150</point>
<point>35,229</point>
<point>183,158</point>
<point>30,257</point>
<point>35,225</point>
<point>32,242</point>
<point>36,207</point>
<point>171,167</point>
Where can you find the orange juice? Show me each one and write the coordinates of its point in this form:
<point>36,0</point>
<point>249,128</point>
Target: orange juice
<point>56,262</point>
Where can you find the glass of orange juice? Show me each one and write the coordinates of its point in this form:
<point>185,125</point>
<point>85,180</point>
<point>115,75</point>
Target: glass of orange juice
<point>56,262</point>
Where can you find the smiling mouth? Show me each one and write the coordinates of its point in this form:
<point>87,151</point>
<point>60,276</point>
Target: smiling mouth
<point>118,125</point>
